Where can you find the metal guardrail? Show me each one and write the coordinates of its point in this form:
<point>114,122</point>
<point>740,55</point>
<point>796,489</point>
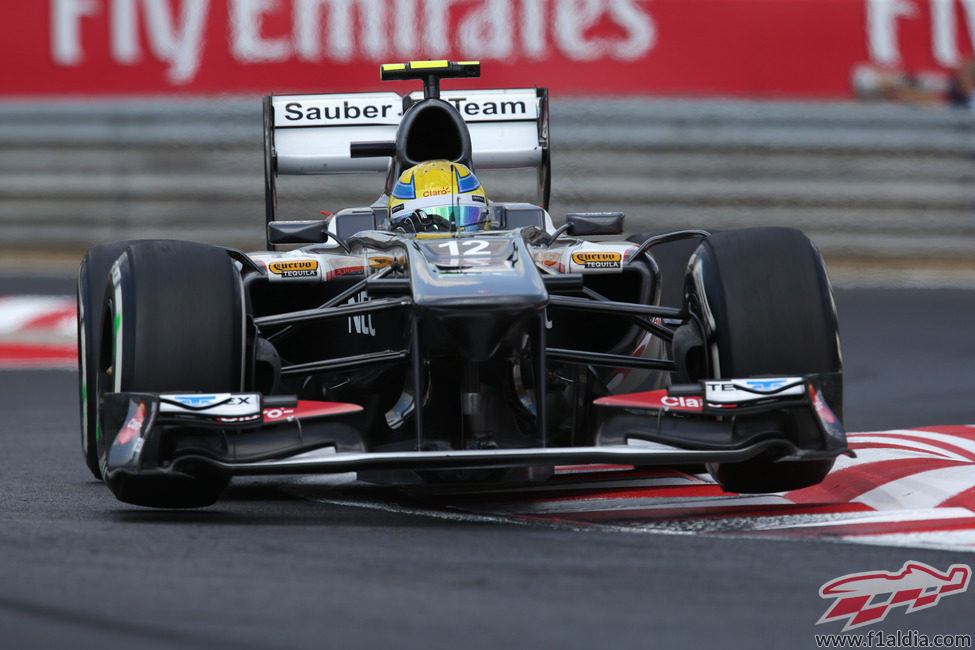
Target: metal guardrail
<point>865,180</point>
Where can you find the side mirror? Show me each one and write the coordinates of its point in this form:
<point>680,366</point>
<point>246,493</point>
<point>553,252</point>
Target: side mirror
<point>594,223</point>
<point>297,232</point>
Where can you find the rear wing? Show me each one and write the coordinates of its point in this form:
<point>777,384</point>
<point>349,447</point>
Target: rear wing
<point>313,134</point>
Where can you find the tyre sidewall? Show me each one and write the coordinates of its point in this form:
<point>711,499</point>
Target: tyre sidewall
<point>93,278</point>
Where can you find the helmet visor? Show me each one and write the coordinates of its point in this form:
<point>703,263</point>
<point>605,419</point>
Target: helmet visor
<point>464,217</point>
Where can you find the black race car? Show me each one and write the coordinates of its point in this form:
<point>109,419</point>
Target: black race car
<point>437,336</point>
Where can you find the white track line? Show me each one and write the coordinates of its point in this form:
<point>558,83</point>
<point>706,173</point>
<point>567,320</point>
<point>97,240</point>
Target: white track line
<point>923,490</point>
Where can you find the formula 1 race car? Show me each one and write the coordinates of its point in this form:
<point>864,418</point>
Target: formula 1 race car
<point>435,335</point>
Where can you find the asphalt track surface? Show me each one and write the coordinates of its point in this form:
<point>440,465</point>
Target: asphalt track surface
<point>279,565</point>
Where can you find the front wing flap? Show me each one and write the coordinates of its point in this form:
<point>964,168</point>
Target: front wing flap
<point>722,413</point>
<point>150,431</point>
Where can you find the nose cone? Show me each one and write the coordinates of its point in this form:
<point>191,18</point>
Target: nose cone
<point>469,307</point>
<point>475,333</point>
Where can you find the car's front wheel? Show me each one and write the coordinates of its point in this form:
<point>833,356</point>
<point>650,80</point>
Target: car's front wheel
<point>764,300</point>
<point>172,321</point>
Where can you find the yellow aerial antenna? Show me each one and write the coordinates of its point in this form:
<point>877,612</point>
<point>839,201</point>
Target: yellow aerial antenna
<point>431,72</point>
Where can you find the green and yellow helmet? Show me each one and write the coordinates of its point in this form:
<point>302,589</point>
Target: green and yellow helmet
<point>442,188</point>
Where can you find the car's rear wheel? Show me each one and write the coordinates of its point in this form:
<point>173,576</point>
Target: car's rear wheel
<point>172,321</point>
<point>765,303</point>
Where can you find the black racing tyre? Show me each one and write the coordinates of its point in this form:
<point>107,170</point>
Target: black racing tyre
<point>173,321</point>
<point>766,305</point>
<point>92,280</point>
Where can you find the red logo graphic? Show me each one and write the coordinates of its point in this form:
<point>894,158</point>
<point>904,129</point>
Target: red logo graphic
<point>133,426</point>
<point>866,598</point>
<point>820,405</point>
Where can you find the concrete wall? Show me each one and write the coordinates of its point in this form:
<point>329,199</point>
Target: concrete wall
<point>861,180</point>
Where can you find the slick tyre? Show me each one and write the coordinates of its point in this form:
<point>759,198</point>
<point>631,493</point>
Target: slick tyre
<point>765,302</point>
<point>92,280</point>
<point>172,320</point>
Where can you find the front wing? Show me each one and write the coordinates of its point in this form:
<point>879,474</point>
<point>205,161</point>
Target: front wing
<point>723,421</point>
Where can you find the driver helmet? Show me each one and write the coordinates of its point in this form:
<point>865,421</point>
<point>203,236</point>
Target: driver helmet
<point>448,193</point>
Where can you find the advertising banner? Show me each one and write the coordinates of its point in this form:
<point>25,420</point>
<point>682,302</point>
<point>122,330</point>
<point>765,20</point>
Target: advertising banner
<point>748,48</point>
